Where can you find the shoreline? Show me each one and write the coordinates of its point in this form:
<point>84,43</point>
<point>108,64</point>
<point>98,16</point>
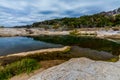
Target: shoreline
<point>14,32</point>
<point>42,51</point>
<point>37,53</point>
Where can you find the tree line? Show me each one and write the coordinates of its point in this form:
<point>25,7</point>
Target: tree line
<point>87,21</point>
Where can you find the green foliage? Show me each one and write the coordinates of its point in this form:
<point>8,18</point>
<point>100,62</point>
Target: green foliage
<point>56,26</point>
<point>117,20</point>
<point>96,20</point>
<point>22,66</point>
<point>74,32</point>
<point>115,59</point>
<point>1,26</point>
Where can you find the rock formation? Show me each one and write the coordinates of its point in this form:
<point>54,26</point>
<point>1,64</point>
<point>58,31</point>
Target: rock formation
<point>81,69</point>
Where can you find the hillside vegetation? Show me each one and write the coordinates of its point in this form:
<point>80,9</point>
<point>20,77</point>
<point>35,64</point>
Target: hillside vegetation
<point>103,19</point>
<point>97,20</point>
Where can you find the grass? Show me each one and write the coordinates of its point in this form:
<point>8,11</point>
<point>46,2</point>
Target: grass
<point>15,65</point>
<point>37,56</point>
<point>115,59</point>
<point>15,68</point>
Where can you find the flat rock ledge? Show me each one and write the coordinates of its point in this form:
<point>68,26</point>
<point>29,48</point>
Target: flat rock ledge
<point>81,69</point>
<point>11,32</point>
<point>41,51</point>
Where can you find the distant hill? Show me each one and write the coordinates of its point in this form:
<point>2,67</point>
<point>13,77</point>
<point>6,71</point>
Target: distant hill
<point>103,19</point>
<point>110,13</point>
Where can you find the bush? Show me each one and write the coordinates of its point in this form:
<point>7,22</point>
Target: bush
<point>23,66</point>
<point>115,29</point>
<point>74,32</point>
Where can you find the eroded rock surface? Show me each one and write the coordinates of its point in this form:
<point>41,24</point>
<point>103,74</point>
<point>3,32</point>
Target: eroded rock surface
<point>81,69</point>
<point>8,32</point>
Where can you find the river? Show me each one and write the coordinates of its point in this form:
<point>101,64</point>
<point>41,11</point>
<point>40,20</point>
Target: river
<point>11,45</point>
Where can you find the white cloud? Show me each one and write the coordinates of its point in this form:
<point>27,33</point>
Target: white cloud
<point>21,12</point>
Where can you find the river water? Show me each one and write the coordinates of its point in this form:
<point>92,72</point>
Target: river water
<point>11,45</point>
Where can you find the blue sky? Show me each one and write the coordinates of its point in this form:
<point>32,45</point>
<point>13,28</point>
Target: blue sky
<point>22,12</point>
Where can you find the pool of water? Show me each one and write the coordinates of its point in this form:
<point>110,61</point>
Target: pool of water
<point>11,45</point>
<point>118,41</point>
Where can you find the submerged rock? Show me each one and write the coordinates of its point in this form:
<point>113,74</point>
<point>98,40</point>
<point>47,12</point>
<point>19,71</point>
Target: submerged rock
<point>81,69</point>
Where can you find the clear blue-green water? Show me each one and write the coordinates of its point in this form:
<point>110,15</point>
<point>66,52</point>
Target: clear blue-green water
<point>11,45</point>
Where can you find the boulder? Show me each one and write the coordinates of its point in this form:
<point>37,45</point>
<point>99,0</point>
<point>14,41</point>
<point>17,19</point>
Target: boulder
<point>81,69</point>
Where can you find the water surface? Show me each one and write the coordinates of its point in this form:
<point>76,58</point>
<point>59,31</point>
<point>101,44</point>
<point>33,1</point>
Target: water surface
<point>118,41</point>
<point>10,45</point>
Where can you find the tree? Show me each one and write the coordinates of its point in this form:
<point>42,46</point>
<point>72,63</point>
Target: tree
<point>1,26</point>
<point>56,26</point>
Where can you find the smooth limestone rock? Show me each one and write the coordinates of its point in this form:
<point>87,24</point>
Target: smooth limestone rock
<point>81,69</point>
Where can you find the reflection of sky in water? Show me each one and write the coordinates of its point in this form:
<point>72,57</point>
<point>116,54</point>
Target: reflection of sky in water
<point>20,44</point>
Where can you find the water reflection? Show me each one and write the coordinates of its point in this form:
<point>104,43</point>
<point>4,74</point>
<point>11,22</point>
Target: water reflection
<point>12,45</point>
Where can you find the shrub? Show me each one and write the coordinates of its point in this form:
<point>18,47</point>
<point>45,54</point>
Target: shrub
<point>115,29</point>
<point>22,66</point>
<point>74,32</point>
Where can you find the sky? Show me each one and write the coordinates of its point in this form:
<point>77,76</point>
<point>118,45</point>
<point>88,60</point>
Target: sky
<point>24,12</point>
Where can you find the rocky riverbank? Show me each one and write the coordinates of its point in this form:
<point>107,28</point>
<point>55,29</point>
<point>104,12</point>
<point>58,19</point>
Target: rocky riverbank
<point>34,54</point>
<point>8,32</point>
<point>50,50</point>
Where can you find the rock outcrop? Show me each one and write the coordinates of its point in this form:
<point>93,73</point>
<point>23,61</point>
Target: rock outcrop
<point>8,32</point>
<point>81,69</point>
<point>113,12</point>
